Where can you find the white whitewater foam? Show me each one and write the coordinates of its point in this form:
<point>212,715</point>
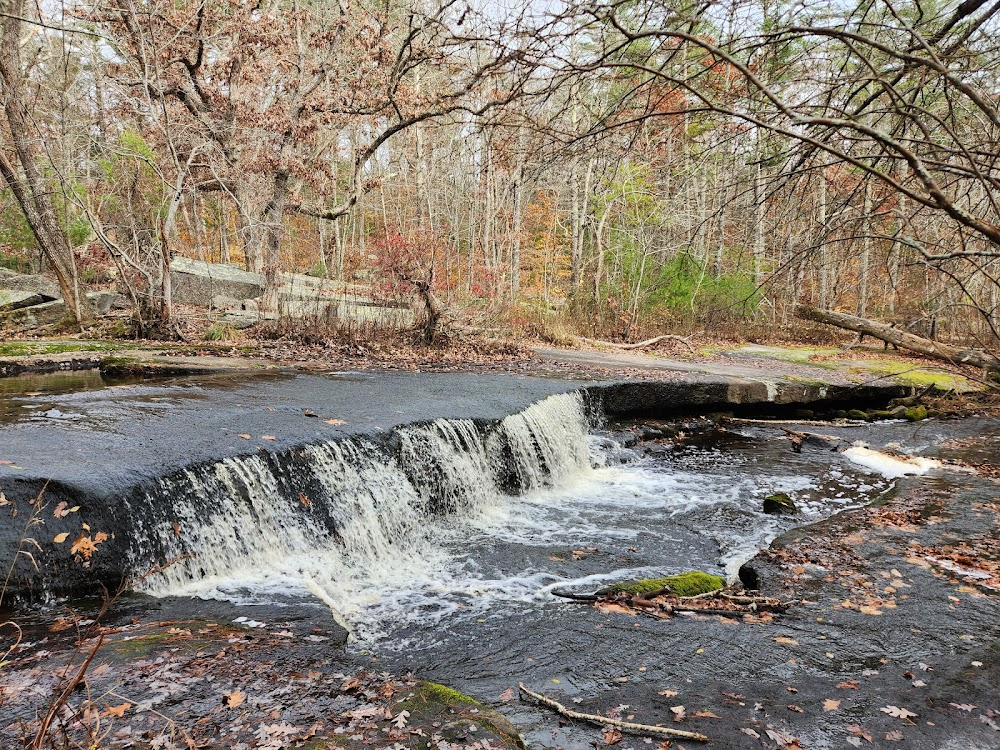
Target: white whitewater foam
<point>891,467</point>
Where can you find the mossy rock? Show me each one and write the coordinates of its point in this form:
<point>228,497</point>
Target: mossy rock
<point>691,583</point>
<point>916,413</point>
<point>880,414</point>
<point>857,414</point>
<point>456,717</point>
<point>779,502</point>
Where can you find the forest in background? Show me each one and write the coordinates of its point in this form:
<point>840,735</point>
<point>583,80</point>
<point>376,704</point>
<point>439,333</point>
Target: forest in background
<point>610,169</point>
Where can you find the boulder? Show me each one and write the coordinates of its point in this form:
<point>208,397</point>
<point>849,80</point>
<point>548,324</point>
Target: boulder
<point>779,503</point>
<point>50,313</point>
<point>12,299</point>
<point>224,302</point>
<point>195,282</point>
<point>29,282</point>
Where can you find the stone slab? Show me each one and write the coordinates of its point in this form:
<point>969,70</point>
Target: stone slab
<point>13,299</point>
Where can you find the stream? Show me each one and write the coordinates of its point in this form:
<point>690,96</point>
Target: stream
<point>438,545</point>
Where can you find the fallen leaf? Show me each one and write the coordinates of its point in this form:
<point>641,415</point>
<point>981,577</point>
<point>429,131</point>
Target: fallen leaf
<point>334,421</point>
<point>750,732</point>
<point>118,711</point>
<point>894,736</point>
<point>848,685</point>
<point>60,538</point>
<point>308,413</point>
<point>611,736</point>
<point>304,499</point>
<point>706,715</point>
<point>245,436</point>
<point>86,546</point>
<point>963,706</point>
<point>668,693</point>
<point>789,641</point>
<point>919,683</point>
<point>830,705</point>
<point>679,712</point>
<point>796,709</point>
<point>897,712</point>
<point>858,731</point>
<point>268,437</point>
<point>400,721</point>
<point>507,695</point>
<point>234,699</point>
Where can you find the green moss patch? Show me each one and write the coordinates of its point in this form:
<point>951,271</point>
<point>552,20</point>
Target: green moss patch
<point>32,348</point>
<point>458,715</point>
<point>691,583</point>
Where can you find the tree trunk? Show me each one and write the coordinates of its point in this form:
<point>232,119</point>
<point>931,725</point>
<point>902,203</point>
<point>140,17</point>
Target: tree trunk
<point>885,332</point>
<point>33,194</point>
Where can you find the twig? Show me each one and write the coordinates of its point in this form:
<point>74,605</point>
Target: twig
<point>574,597</point>
<point>604,720</point>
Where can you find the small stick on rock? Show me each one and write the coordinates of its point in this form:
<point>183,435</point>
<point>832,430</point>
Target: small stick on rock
<point>604,720</point>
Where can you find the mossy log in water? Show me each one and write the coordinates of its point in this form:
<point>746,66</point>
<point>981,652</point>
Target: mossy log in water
<point>691,583</point>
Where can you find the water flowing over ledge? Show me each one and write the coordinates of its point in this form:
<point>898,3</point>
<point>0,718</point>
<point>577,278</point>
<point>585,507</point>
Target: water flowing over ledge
<point>348,514</point>
<point>158,471</point>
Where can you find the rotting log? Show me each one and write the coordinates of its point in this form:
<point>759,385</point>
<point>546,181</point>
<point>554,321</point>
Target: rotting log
<point>952,354</point>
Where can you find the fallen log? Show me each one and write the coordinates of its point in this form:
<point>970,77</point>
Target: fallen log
<point>560,709</point>
<point>904,340</point>
<point>686,340</point>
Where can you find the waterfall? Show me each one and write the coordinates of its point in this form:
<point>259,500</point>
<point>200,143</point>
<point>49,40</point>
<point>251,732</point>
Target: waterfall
<point>349,516</point>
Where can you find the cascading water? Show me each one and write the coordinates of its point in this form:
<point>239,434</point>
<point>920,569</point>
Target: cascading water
<point>457,520</point>
<point>348,519</point>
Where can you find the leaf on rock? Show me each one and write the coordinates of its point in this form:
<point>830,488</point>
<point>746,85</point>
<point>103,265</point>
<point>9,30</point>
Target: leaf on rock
<point>60,538</point>
<point>789,641</point>
<point>679,712</point>
<point>897,712</point>
<point>234,699</point>
<point>894,736</point>
<point>507,695</point>
<point>118,711</point>
<point>830,705</point>
<point>400,721</point>
<point>858,731</point>
<point>612,736</point>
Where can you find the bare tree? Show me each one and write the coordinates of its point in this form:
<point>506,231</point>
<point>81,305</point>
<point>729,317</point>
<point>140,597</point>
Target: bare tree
<point>25,164</point>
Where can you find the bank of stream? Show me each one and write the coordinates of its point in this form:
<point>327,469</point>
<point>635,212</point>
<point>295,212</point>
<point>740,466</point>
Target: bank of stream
<point>438,547</point>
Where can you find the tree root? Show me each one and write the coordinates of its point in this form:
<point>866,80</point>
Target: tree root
<point>605,721</point>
